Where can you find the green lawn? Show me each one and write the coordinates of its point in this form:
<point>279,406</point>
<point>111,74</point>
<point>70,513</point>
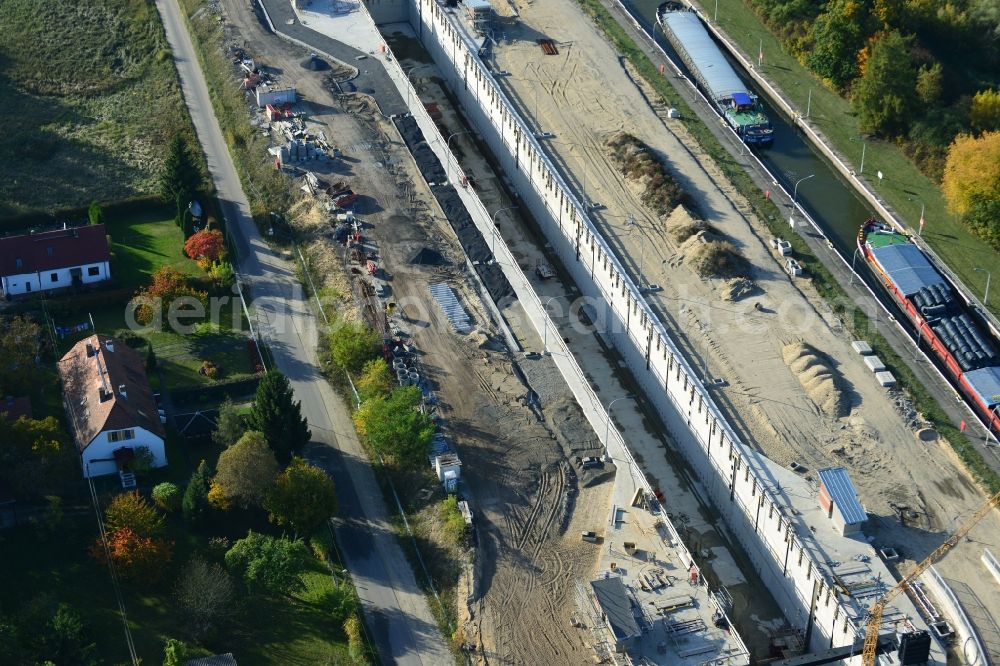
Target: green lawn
<point>264,629</point>
<point>144,242</point>
<point>904,186</point>
<point>90,97</point>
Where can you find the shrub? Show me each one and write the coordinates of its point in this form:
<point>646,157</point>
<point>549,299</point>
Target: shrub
<point>167,496</point>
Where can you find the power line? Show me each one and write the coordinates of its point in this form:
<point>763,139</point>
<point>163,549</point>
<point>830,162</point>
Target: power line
<point>111,569</point>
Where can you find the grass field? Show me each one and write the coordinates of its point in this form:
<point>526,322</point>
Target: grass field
<point>904,187</point>
<point>90,96</point>
<point>263,629</point>
<point>144,242</point>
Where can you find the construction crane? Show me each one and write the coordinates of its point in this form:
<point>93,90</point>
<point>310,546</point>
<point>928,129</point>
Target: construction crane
<point>875,614</point>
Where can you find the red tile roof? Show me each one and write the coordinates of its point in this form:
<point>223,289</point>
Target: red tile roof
<point>115,372</point>
<point>49,250</point>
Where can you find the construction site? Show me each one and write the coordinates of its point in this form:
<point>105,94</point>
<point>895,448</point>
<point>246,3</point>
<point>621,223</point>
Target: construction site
<point>534,255</point>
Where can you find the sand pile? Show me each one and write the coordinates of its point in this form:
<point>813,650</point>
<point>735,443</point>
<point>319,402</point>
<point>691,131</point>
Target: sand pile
<point>681,225</point>
<point>640,165</point>
<point>822,383</point>
<point>712,257</point>
<point>737,288</point>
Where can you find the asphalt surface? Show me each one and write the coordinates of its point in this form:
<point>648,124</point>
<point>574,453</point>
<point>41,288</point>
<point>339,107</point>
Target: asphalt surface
<point>396,611</point>
<point>372,78</point>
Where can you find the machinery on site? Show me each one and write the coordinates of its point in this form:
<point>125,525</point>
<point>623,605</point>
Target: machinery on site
<point>874,623</point>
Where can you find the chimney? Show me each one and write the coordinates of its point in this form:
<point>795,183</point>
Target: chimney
<point>105,394</point>
<point>90,350</point>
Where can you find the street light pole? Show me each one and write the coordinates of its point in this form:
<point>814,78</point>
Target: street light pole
<point>795,198</point>
<point>447,146</point>
<point>809,102</point>
<point>607,424</point>
<point>986,295</point>
<point>795,190</point>
<point>493,240</point>
<point>864,146</point>
<point>545,324</point>
<point>410,81</point>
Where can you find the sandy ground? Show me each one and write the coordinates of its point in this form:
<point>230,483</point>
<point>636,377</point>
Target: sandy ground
<point>518,472</point>
<point>579,95</point>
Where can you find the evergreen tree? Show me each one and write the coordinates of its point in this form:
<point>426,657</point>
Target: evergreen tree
<point>94,213</point>
<point>230,425</point>
<point>180,177</point>
<point>279,417</point>
<point>195,502</point>
<point>884,96</point>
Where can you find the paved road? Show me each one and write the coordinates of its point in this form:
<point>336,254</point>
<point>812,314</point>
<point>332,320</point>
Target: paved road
<point>372,78</point>
<point>396,610</point>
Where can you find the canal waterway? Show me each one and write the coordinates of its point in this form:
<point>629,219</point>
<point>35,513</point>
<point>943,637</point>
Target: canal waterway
<point>827,197</point>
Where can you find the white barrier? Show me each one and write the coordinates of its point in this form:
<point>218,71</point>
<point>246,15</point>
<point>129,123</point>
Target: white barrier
<point>991,564</point>
<point>969,645</point>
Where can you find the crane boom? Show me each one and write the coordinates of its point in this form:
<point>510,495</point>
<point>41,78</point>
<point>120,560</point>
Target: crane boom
<point>875,614</point>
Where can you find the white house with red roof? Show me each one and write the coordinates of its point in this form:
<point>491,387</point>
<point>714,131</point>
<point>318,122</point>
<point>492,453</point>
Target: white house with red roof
<point>110,405</point>
<point>57,259</point>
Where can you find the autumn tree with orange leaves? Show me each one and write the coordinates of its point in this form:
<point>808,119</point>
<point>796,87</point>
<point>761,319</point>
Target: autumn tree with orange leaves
<point>206,247</point>
<point>168,286</point>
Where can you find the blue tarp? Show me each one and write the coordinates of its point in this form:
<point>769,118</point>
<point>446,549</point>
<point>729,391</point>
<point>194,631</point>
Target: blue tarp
<point>742,99</point>
<point>986,383</point>
<point>841,490</point>
<point>907,267</point>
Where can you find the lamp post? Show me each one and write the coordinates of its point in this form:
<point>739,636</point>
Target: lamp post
<point>795,198</point>
<point>986,295</point>
<point>545,324</point>
<point>607,424</point>
<point>447,145</point>
<point>493,239</point>
<point>410,81</point>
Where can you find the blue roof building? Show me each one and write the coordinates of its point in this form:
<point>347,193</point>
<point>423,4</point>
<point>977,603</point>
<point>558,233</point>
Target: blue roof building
<point>839,499</point>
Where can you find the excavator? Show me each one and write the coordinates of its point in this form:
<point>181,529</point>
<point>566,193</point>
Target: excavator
<point>874,623</point>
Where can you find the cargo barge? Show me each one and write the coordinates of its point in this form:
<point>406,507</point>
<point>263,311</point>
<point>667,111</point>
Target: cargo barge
<point>740,108</point>
<point>952,327</point>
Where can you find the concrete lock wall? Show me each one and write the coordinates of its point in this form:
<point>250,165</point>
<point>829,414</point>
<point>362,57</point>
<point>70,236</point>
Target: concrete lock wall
<point>736,478</point>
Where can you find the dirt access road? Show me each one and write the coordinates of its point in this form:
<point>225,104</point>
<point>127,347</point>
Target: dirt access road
<point>528,497</point>
<point>579,96</point>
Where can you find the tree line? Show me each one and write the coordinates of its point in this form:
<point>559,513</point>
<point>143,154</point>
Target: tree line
<point>922,73</point>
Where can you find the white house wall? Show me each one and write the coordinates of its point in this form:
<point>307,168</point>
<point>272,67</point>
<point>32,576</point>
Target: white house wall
<point>736,477</point>
<point>15,285</point>
<point>98,457</point>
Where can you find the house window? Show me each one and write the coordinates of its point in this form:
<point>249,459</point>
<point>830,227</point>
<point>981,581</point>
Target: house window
<point>54,277</point>
<point>121,435</point>
<point>94,271</point>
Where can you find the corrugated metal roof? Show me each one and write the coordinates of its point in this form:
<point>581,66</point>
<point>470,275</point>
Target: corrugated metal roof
<point>841,490</point>
<point>986,383</point>
<point>907,266</point>
<point>613,599</point>
<point>718,76</point>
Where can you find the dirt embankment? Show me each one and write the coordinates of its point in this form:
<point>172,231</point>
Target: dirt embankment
<point>659,190</point>
<point>707,251</point>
